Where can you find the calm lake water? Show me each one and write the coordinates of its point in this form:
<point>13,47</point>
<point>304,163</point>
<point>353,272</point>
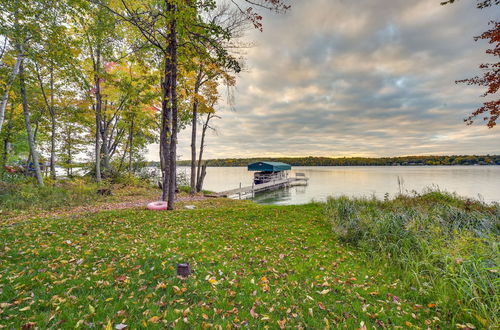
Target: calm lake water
<point>481,182</point>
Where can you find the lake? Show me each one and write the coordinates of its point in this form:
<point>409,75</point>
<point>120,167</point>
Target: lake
<point>481,182</point>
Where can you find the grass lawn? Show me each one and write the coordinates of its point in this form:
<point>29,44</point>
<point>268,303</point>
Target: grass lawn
<point>256,266</point>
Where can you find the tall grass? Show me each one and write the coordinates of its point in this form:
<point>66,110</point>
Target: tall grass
<point>23,194</point>
<point>438,244</point>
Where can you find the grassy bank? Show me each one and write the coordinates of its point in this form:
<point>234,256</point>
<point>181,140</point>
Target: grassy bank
<point>253,265</point>
<point>439,245</point>
<point>20,195</point>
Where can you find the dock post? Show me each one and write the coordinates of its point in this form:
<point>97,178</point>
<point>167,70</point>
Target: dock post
<point>239,193</point>
<point>253,189</point>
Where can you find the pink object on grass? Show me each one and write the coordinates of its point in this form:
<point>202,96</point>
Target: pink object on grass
<point>157,206</point>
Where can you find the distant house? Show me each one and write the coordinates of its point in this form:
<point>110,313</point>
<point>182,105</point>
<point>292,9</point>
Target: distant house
<point>268,171</point>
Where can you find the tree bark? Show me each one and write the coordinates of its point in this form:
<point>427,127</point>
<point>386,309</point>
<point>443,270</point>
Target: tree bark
<point>131,144</point>
<point>52,127</point>
<point>7,135</point>
<point>105,140</point>
<point>199,185</point>
<point>173,101</point>
<point>26,114</point>
<point>165,130</point>
<point>193,130</point>
<point>5,96</point>
<point>52,114</point>
<point>199,180</point>
<point>98,105</point>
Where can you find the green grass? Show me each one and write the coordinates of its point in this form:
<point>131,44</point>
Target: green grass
<point>253,265</point>
<point>442,246</point>
<point>22,197</point>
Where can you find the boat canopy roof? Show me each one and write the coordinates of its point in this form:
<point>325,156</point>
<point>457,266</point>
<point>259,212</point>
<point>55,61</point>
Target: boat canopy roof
<point>269,166</point>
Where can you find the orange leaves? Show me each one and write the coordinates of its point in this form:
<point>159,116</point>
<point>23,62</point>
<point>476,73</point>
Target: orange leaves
<point>264,284</point>
<point>281,323</point>
<point>154,319</point>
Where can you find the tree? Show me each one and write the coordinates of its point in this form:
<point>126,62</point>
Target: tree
<point>491,76</point>
<point>480,3</point>
<point>489,79</point>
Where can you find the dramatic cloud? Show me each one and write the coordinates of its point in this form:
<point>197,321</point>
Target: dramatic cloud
<point>358,78</point>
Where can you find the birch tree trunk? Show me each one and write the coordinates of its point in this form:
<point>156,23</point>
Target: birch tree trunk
<point>26,114</point>
<point>5,96</point>
<point>6,143</point>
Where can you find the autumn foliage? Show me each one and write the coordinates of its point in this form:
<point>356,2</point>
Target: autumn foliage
<point>490,79</point>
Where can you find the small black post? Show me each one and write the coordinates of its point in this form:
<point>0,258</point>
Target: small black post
<point>183,270</point>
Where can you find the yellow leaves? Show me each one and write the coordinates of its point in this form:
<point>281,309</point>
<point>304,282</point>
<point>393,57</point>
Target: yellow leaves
<point>160,285</point>
<point>91,309</point>
<point>27,308</point>
<point>466,326</point>
<point>109,326</point>
<point>179,291</point>
<point>205,316</point>
<point>212,280</point>
<point>154,319</point>
<point>431,305</point>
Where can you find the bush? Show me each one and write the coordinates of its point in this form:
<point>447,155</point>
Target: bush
<point>445,246</point>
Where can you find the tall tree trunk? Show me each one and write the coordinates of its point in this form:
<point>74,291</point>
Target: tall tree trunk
<point>52,127</point>
<point>69,160</point>
<point>199,184</point>
<point>173,93</point>
<point>98,105</point>
<point>5,96</point>
<point>6,143</point>
<point>131,144</point>
<point>26,114</point>
<point>193,129</point>
<point>104,138</point>
<point>166,115</point>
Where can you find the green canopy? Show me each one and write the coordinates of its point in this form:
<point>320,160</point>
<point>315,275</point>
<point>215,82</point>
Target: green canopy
<point>269,167</point>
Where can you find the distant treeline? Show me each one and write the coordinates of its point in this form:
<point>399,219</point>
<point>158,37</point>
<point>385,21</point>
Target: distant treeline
<point>360,161</point>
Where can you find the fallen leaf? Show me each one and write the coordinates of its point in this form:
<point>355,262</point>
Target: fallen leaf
<point>252,312</point>
<point>154,319</point>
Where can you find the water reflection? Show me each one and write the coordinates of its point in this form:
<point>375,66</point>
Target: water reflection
<point>360,181</point>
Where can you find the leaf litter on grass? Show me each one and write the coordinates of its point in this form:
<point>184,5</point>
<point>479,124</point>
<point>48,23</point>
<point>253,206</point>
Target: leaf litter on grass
<point>252,266</point>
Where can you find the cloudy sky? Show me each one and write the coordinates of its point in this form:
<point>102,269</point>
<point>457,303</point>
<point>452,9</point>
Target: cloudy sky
<point>358,78</point>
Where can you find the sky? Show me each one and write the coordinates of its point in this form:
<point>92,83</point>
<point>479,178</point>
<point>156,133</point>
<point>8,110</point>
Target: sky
<point>342,78</point>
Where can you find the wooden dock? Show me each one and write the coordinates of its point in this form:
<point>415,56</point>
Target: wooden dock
<point>275,184</point>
